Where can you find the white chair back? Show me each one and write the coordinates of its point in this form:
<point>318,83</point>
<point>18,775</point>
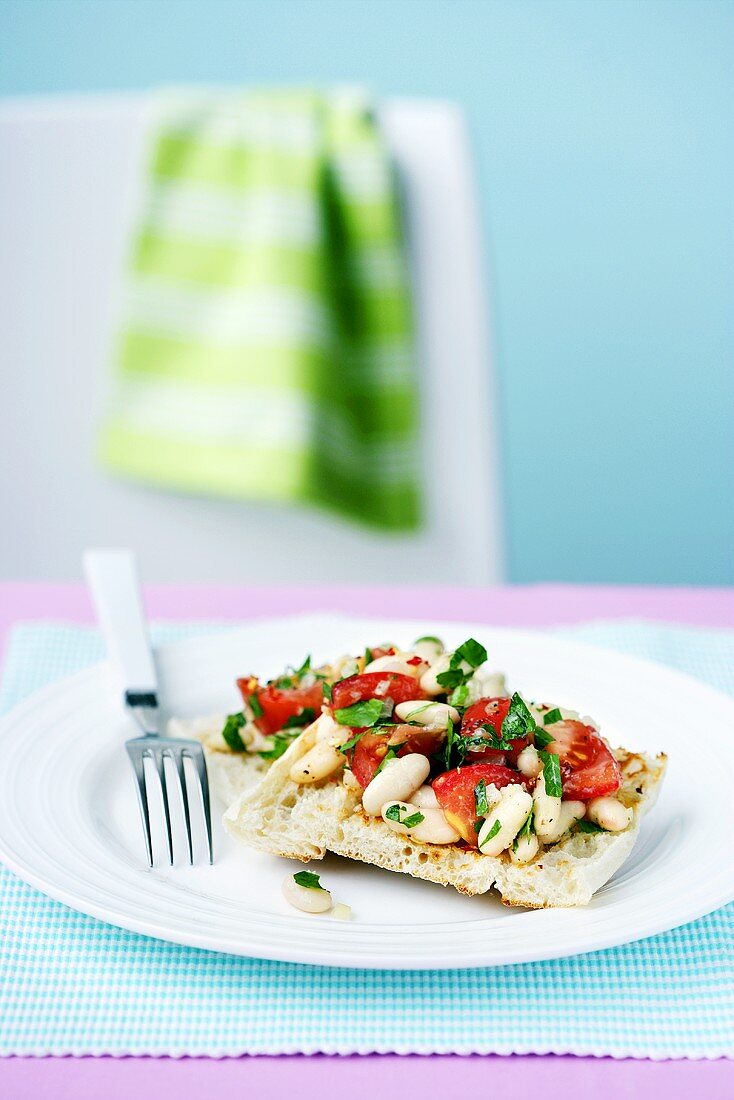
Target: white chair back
<point>69,171</point>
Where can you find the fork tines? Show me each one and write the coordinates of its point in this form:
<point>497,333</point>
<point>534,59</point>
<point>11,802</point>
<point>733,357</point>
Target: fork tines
<point>177,750</point>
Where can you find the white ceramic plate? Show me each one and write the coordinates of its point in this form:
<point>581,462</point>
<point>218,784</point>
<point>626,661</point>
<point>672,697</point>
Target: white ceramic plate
<point>69,822</point>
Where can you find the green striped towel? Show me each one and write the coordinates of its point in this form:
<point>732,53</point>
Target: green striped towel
<point>266,347</point>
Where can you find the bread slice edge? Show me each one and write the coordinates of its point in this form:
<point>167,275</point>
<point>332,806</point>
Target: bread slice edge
<point>305,821</point>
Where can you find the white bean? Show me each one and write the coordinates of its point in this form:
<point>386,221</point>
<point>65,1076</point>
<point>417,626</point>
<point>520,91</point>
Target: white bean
<point>570,812</point>
<point>396,782</point>
<point>395,663</point>
<point>430,649</point>
<point>510,813</point>
<point>433,716</point>
<point>306,898</point>
<point>433,829</point>
<point>609,813</point>
<point>546,810</point>
<point>424,796</point>
<point>525,849</point>
<point>529,762</point>
<point>319,762</point>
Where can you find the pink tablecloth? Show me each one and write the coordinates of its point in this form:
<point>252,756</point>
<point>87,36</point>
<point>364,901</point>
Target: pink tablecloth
<point>357,1078</point>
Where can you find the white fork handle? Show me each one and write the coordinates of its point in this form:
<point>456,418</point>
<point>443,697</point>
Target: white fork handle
<point>112,577</point>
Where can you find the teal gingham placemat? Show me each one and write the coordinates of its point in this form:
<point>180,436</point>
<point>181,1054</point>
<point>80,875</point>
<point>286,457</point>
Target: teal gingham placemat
<point>70,984</point>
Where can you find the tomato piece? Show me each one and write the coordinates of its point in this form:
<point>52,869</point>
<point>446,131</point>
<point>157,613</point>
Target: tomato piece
<point>455,793</point>
<point>371,749</point>
<point>280,704</point>
<point>369,752</point>
<point>588,769</point>
<point>374,685</point>
<point>490,712</point>
<point>486,712</point>
<point>425,741</point>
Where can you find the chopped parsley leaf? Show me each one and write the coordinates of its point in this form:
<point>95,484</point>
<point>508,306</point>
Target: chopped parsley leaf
<point>459,696</point>
<point>493,831</point>
<point>326,688</point>
<point>543,738</point>
<point>303,718</point>
<point>299,672</point>
<point>308,879</point>
<point>349,745</point>
<point>451,678</point>
<point>254,704</point>
<point>368,656</point>
<point>552,716</point>
<point>518,721</point>
<point>392,813</point>
<point>471,651</point>
<point>231,733</point>
<point>389,755</point>
<point>480,798</point>
<point>527,830</point>
<point>552,774</point>
<point>365,713</point>
<point>449,744</point>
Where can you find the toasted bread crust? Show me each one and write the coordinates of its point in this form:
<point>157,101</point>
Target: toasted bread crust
<point>304,822</point>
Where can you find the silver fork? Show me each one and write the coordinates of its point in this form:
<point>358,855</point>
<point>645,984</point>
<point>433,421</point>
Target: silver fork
<point>113,582</point>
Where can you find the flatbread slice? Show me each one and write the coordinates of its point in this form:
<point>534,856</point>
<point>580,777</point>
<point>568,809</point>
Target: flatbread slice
<point>305,821</point>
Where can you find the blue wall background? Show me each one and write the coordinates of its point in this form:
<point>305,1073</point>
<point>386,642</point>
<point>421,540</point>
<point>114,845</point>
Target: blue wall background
<point>605,152</point>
